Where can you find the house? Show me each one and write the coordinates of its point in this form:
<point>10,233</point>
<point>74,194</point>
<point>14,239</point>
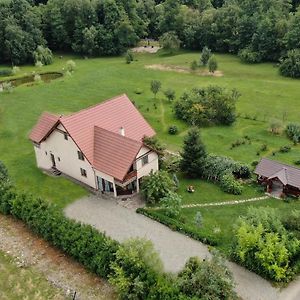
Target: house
<point>279,178</point>
<point>101,146</point>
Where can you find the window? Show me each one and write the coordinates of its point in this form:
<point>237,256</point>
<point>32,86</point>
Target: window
<point>145,160</point>
<point>66,136</point>
<point>80,155</point>
<point>46,152</point>
<point>83,172</point>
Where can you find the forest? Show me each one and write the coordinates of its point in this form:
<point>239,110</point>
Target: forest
<point>256,30</point>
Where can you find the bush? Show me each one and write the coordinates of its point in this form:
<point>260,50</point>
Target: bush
<point>208,279</point>
<point>170,94</point>
<point>6,72</point>
<point>169,41</point>
<point>7,87</point>
<point>71,66</point>
<point>293,132</point>
<point>292,221</point>
<point>207,106</point>
<point>198,219</point>
<point>171,163</point>
<point>194,65</point>
<point>129,57</point>
<point>173,130</point>
<point>205,56</point>
<point>285,149</point>
<point>156,186</point>
<point>249,56</point>
<point>37,78</point>
<point>171,204</point>
<point>290,65</point>
<point>212,64</point>
<point>230,185</point>
<point>263,245</point>
<point>138,91</point>
<point>43,55</point>
<point>297,162</point>
<point>15,70</point>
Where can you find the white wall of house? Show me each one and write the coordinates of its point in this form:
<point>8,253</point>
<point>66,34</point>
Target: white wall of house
<point>66,157</point>
<point>143,170</point>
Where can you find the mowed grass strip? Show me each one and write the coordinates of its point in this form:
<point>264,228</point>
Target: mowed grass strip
<point>23,283</point>
<point>264,95</point>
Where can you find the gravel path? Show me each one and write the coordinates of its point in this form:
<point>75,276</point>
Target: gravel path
<point>174,248</point>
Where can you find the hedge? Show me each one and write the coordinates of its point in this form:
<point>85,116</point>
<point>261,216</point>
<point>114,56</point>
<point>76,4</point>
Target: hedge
<point>178,226</point>
<point>93,249</point>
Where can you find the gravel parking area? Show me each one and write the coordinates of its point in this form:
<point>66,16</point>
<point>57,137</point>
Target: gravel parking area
<point>174,248</point>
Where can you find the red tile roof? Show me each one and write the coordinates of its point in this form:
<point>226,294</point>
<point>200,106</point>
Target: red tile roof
<point>44,126</point>
<point>287,174</point>
<point>114,153</point>
<point>110,115</point>
<point>96,131</point>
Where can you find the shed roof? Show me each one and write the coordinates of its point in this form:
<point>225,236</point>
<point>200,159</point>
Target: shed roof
<point>288,175</point>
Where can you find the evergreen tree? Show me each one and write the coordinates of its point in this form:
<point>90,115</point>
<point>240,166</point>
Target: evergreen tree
<point>193,155</point>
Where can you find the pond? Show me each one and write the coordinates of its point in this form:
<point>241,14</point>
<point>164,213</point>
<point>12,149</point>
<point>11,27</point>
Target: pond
<point>46,77</point>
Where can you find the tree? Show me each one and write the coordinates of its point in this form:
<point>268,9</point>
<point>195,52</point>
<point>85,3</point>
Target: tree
<point>156,186</point>
<point>170,94</point>
<point>193,155</point>
<point>194,65</point>
<point>290,66</point>
<point>169,41</point>
<point>209,279</point>
<point>212,64</point>
<point>43,55</point>
<point>171,203</point>
<point>205,56</point>
<point>155,87</point>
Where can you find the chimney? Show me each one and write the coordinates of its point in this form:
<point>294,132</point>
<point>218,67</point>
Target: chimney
<point>122,131</point>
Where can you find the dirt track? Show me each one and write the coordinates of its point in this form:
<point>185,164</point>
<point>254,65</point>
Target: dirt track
<point>60,270</point>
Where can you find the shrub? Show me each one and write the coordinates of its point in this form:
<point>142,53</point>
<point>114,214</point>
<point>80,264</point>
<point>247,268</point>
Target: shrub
<point>173,130</point>
<point>6,72</point>
<point>285,149</point>
<point>263,245</point>
<point>37,78</point>
<point>7,87</point>
<point>43,55</point>
<point>297,162</point>
<point>293,132</point>
<point>71,66</point>
<point>155,87</point>
<point>170,94</point>
<point>275,126</point>
<point>129,57</point>
<point>205,56</point>
<point>208,279</point>
<point>3,172</point>
<point>156,186</point>
<point>230,185</point>
<point>207,106</point>
<point>290,65</point>
<point>171,204</point>
<point>264,147</point>
<point>138,91</point>
<point>169,41</point>
<point>15,70</point>
<point>194,65</point>
<point>249,56</point>
<point>198,219</point>
<point>135,269</point>
<point>292,221</point>
<point>171,163</point>
<point>212,64</point>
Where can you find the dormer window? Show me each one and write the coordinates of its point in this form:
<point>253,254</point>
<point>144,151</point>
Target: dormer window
<point>80,155</point>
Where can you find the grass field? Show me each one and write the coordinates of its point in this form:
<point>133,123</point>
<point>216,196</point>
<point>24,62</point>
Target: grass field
<point>265,95</point>
<point>23,283</point>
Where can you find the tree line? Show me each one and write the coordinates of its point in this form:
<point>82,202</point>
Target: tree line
<point>257,30</point>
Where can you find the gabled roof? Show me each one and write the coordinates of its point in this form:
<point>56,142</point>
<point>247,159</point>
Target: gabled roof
<point>114,153</point>
<point>96,131</point>
<point>44,126</point>
<point>271,169</point>
<point>110,115</point>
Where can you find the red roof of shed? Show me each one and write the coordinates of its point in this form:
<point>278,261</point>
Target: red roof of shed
<point>96,131</point>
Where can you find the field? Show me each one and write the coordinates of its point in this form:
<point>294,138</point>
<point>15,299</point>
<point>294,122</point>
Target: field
<point>24,283</point>
<point>264,95</point>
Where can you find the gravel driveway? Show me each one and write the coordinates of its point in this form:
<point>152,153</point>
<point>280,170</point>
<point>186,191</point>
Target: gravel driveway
<point>174,248</point>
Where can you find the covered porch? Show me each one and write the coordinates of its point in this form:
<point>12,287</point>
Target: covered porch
<point>129,186</point>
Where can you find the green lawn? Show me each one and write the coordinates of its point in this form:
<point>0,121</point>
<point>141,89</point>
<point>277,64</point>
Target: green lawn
<point>23,283</point>
<point>265,95</point>
<point>218,221</point>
